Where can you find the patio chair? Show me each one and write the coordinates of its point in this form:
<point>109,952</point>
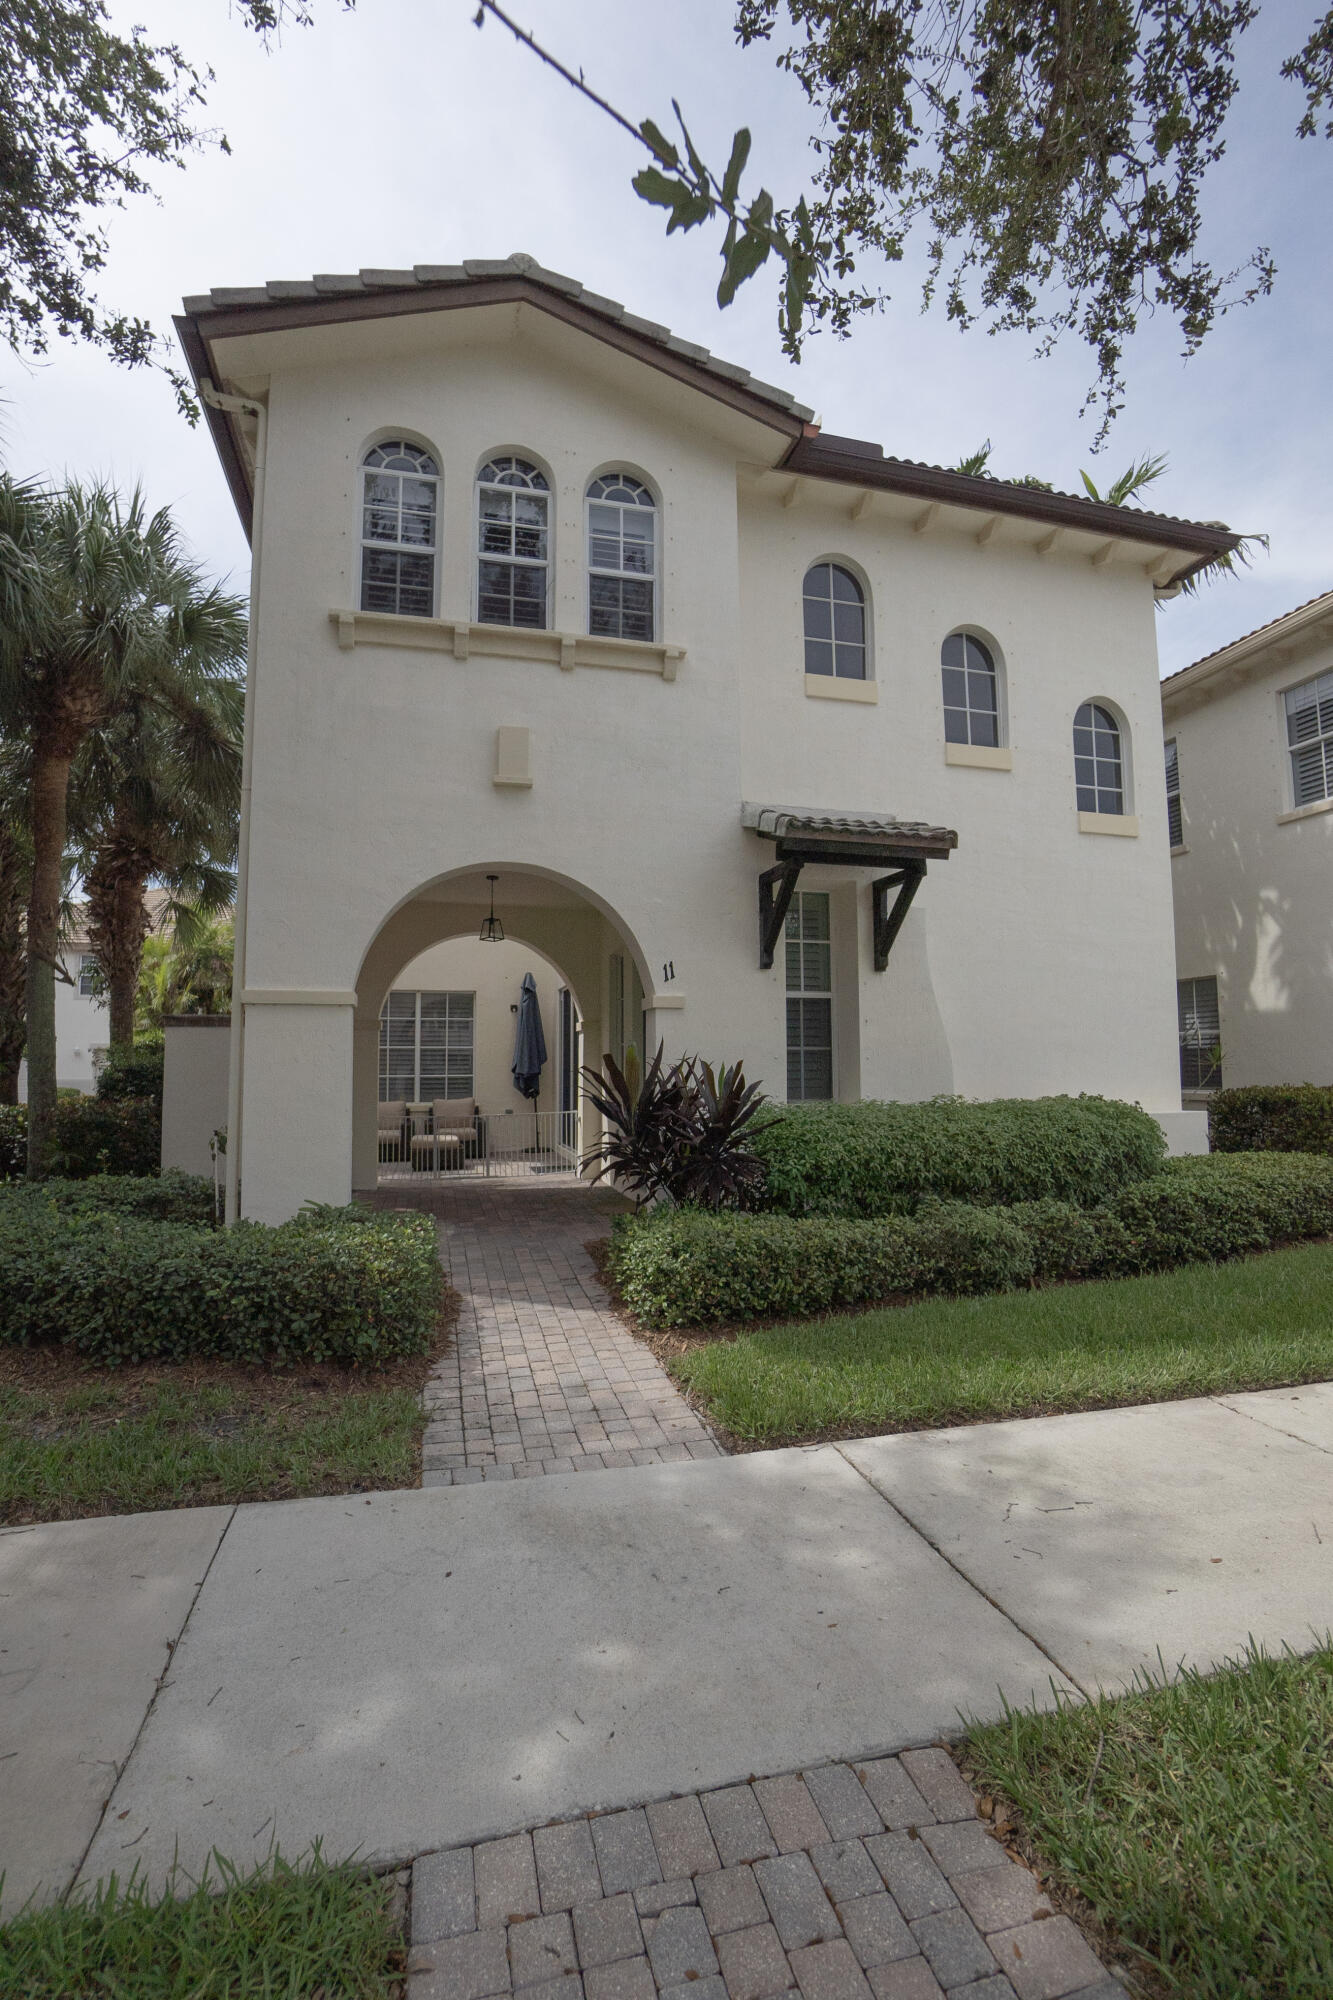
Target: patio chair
<point>392,1122</point>
<point>453,1134</point>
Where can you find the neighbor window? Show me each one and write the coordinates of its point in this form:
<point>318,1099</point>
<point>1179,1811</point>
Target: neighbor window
<point>1174,821</point>
<point>622,557</point>
<point>809,998</point>
<point>89,977</point>
<point>1310,739</point>
<point>1099,775</point>
<point>399,501</point>
<point>971,692</point>
<point>426,1045</point>
<point>513,543</point>
<point>835,623</point>
<point>1200,1034</point>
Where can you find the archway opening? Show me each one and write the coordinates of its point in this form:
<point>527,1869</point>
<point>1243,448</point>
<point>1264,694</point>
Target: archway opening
<point>460,1071</point>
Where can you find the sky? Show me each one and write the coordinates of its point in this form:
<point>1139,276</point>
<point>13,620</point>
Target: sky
<point>399,134</point>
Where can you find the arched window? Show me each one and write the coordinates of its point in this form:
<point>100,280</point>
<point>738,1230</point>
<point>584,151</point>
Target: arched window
<point>1099,769</point>
<point>399,501</point>
<point>513,543</point>
<point>835,623</point>
<point>622,557</point>
<point>971,692</point>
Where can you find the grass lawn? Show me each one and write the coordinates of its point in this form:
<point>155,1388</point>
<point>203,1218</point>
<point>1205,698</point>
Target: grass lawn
<point>292,1933</point>
<point>1206,1327</point>
<point>1196,1818</point>
<point>77,1440</point>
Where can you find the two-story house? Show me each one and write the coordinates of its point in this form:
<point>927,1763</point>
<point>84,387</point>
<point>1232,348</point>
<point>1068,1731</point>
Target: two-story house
<point>1249,764</point>
<point>777,747</point>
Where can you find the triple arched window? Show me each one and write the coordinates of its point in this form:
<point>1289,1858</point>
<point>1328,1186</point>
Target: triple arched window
<point>513,543</point>
<point>834,606</point>
<point>1099,763</point>
<point>622,558</point>
<point>399,510</point>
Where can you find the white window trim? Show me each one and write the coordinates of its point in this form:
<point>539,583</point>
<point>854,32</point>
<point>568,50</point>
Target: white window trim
<point>1105,822</point>
<point>1293,810</point>
<point>862,581</point>
<point>452,993</point>
<point>997,756</point>
<point>526,562</point>
<point>830,996</point>
<point>590,570</point>
<point>417,443</point>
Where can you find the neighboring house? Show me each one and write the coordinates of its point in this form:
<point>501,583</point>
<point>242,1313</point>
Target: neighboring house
<point>81,1010</point>
<point>778,748</point>
<point>1249,759</point>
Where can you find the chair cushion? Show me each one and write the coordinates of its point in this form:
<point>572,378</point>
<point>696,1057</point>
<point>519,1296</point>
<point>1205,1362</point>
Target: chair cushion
<point>454,1114</point>
<point>393,1111</point>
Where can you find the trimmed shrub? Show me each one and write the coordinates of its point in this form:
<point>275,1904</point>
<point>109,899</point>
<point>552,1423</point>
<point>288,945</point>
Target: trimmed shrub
<point>1273,1118</point>
<point>97,1135</point>
<point>169,1197</point>
<point>681,1267</point>
<point>358,1288</point>
<point>135,1072</point>
<point>879,1159</point>
<point>1217,1206</point>
<point>13,1141</point>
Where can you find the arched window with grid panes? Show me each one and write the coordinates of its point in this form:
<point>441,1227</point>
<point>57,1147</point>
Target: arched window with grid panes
<point>622,558</point>
<point>513,543</point>
<point>971,691</point>
<point>1099,762</point>
<point>834,606</point>
<point>399,512</point>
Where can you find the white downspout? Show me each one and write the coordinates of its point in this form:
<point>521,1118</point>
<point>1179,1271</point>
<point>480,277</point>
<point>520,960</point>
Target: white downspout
<point>243,406</point>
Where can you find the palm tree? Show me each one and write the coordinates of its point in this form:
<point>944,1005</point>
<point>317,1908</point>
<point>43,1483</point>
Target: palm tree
<point>15,882</point>
<point>159,798</point>
<point>103,607</point>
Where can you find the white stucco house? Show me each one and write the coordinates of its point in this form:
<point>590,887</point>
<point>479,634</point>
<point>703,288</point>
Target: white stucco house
<point>1249,758</point>
<point>778,747</point>
<point>81,1019</point>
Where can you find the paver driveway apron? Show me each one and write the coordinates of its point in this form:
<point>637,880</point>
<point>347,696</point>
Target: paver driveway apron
<point>542,1377</point>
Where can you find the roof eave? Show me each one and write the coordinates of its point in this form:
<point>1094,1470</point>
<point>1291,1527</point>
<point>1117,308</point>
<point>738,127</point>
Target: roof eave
<point>1203,543</point>
<point>1253,650</point>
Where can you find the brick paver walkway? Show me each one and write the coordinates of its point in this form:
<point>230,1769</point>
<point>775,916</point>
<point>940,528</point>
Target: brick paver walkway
<point>872,1881</point>
<point>542,1377</point>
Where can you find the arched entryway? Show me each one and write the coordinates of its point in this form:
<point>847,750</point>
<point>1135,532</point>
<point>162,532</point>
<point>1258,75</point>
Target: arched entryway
<point>589,974</point>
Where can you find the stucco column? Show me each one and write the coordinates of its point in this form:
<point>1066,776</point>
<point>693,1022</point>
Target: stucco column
<point>365,1104</point>
<point>296,1124</point>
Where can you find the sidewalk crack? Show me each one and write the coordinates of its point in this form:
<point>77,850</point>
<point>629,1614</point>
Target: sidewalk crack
<point>152,1704</point>
<point>960,1572</point>
<point>1277,1429</point>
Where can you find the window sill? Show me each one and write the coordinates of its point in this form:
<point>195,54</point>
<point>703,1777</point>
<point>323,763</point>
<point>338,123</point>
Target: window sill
<point>979,756</point>
<point>826,687</point>
<point>1124,824</point>
<point>1182,849</point>
<point>462,639</point>
<point>1305,812</point>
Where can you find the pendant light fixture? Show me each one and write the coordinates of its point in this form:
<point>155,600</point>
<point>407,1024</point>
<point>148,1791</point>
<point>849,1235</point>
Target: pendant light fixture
<point>492,930</point>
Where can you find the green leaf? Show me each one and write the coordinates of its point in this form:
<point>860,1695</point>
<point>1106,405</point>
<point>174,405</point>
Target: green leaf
<point>731,180</point>
<point>653,136</point>
<point>651,184</point>
<point>690,210</point>
<point>742,263</point>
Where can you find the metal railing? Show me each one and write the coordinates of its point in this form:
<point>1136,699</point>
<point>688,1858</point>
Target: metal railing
<point>492,1145</point>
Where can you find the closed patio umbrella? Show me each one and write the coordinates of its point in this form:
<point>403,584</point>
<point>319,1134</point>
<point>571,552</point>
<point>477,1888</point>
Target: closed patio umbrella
<point>529,1041</point>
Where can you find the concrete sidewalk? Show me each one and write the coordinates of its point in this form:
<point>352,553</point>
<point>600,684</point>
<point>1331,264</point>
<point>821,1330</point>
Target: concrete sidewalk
<point>416,1670</point>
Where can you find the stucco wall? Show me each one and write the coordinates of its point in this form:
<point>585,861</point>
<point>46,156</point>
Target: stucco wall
<point>1253,889</point>
<point>1037,959</point>
<point>81,1029</point>
<point>194,1089</point>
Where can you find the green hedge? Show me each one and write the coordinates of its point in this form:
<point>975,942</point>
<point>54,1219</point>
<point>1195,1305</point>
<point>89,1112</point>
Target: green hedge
<point>1272,1117</point>
<point>879,1159</point>
<point>90,1135</point>
<point>351,1286</point>
<point>686,1268</point>
<point>169,1197</point>
<point>135,1072</point>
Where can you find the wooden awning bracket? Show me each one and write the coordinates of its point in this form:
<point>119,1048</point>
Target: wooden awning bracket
<point>777,886</point>
<point>888,919</point>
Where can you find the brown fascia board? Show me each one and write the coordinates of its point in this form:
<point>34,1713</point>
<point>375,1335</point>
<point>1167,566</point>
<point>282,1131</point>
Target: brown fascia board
<point>855,462</point>
<point>197,331</point>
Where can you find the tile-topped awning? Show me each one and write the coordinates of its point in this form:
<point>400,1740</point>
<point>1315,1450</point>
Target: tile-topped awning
<point>857,840</point>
